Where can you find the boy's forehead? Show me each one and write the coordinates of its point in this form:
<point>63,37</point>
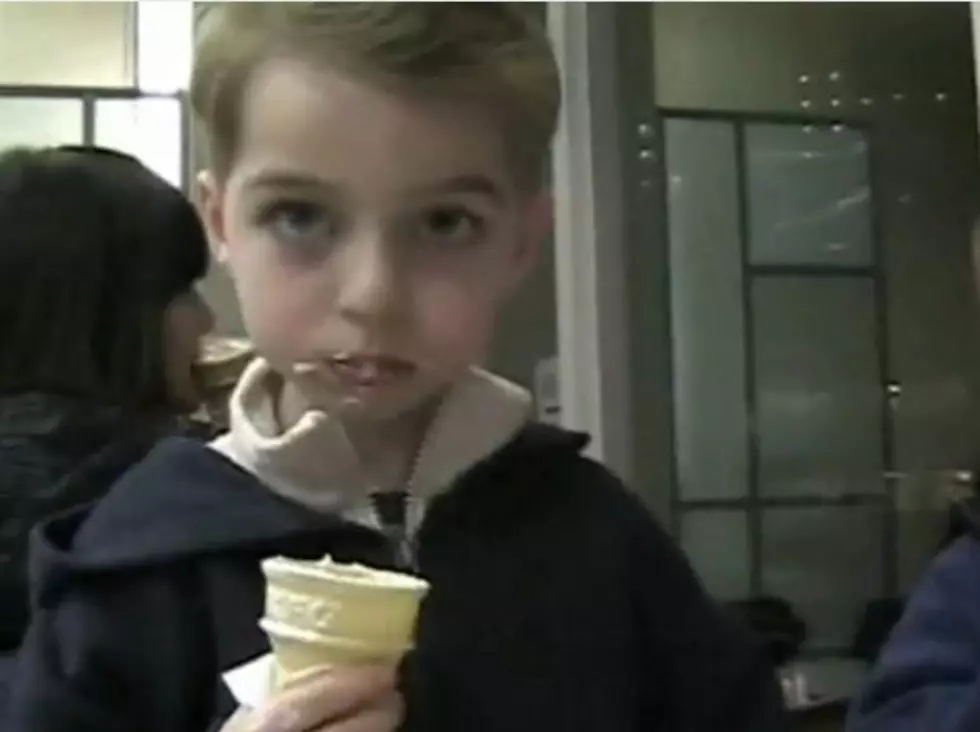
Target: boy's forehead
<point>315,121</point>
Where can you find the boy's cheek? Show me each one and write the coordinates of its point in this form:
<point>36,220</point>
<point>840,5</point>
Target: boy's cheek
<point>274,320</point>
<point>459,329</point>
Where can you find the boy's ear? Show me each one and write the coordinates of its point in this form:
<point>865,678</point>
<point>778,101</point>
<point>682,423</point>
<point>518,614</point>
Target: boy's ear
<point>209,200</point>
<point>537,228</point>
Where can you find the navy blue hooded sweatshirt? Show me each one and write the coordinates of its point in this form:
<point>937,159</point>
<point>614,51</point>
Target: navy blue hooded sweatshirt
<point>557,604</point>
<point>927,678</point>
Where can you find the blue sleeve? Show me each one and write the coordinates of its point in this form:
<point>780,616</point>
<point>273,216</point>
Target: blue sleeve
<point>927,676</point>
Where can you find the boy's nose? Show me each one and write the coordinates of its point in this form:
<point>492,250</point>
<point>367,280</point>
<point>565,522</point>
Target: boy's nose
<point>370,280</point>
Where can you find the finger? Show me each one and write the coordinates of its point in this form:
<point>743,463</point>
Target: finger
<point>384,717</point>
<point>301,678</point>
<point>328,696</point>
<point>240,721</point>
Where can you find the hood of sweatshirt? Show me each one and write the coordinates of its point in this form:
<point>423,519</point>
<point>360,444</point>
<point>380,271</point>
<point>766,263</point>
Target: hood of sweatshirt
<point>312,462</point>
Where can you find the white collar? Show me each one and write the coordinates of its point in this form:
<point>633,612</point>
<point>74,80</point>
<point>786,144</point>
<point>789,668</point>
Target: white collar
<point>313,462</point>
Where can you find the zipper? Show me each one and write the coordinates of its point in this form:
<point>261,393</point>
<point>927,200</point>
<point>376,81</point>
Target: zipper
<point>391,509</point>
<point>394,510</point>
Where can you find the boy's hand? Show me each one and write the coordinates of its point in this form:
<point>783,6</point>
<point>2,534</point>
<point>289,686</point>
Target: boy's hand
<point>342,700</point>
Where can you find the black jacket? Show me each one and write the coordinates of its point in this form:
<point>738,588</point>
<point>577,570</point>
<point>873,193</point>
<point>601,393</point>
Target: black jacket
<point>556,604</point>
<point>55,453</point>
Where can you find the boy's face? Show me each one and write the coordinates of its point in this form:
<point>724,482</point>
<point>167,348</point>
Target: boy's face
<point>372,239</point>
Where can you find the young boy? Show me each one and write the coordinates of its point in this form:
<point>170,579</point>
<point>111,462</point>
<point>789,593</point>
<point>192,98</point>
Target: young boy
<point>375,191</point>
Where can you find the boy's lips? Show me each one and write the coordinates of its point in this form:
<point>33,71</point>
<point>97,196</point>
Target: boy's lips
<point>361,371</point>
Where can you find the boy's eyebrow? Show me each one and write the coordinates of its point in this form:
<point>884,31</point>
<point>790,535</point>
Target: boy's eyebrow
<point>478,184</point>
<point>284,179</point>
<point>471,183</point>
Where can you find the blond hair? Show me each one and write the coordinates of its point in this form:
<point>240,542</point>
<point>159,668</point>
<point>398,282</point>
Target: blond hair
<point>493,53</point>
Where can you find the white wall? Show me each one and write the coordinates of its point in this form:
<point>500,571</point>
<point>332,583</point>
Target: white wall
<point>66,43</point>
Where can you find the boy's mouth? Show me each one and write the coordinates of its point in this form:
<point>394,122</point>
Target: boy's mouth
<point>361,371</point>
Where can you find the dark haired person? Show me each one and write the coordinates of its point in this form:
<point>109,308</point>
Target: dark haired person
<point>99,328</point>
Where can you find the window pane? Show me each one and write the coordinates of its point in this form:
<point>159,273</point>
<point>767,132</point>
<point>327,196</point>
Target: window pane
<point>809,198</point>
<point>706,310</point>
<point>717,545</point>
<point>27,121</point>
<point>149,129</point>
<point>818,386</point>
<point>925,501</point>
<point>827,562</point>
<point>66,44</point>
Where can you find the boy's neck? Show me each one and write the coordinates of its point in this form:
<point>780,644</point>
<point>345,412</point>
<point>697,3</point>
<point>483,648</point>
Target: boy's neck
<point>387,450</point>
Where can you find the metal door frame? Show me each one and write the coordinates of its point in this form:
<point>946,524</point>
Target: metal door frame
<point>754,503</point>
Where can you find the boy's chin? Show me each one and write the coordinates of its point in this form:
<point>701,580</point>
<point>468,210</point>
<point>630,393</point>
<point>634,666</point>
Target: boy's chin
<point>381,405</point>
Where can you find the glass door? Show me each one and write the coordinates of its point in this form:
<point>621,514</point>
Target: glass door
<point>782,420</point>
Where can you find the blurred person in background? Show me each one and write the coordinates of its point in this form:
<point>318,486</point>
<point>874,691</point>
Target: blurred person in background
<point>221,363</point>
<point>927,675</point>
<point>100,325</point>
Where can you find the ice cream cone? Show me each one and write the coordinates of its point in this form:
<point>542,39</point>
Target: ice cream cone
<point>325,614</point>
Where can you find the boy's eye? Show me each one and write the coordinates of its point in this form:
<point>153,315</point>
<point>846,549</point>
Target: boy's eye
<point>452,224</point>
<point>297,220</point>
